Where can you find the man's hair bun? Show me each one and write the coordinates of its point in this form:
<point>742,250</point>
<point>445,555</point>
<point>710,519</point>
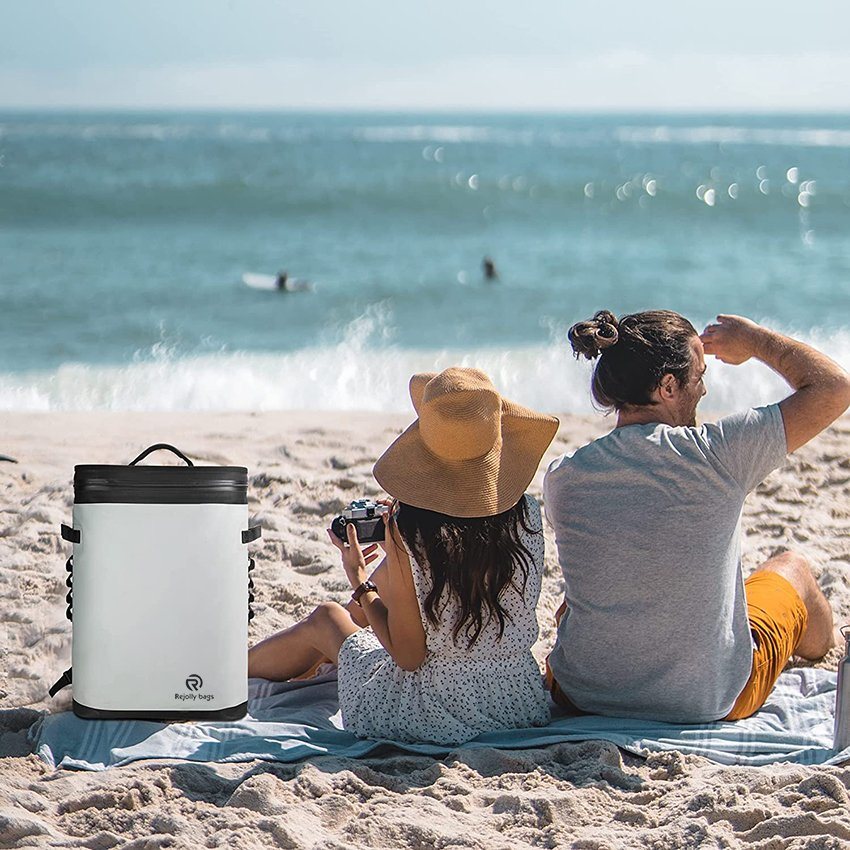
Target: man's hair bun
<point>592,337</point>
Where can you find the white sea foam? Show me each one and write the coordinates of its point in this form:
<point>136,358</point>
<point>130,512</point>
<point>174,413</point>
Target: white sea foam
<point>735,135</point>
<point>233,130</point>
<point>98,130</point>
<point>354,376</point>
<point>443,133</point>
<point>152,131</point>
<point>250,132</point>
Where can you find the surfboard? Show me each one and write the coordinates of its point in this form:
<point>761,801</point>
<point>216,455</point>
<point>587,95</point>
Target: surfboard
<point>269,281</point>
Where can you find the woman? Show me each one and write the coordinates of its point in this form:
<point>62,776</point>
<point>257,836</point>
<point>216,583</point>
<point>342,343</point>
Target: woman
<point>436,646</point>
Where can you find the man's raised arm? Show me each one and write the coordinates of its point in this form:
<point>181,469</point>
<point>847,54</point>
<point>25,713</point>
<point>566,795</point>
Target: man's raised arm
<point>821,386</point>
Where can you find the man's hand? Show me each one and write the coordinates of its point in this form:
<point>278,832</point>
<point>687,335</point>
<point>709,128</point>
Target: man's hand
<point>821,387</point>
<point>733,339</point>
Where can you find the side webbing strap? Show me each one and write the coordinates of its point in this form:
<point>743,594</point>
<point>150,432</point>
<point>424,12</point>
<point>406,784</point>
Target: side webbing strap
<point>62,682</point>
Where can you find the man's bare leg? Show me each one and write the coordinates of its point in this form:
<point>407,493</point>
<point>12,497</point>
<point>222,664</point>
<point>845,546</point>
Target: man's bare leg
<point>820,634</point>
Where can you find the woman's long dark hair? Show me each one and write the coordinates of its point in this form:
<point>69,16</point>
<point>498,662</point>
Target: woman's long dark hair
<point>473,559</point>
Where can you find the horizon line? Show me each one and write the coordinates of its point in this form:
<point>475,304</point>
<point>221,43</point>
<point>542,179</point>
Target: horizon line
<point>430,110</point>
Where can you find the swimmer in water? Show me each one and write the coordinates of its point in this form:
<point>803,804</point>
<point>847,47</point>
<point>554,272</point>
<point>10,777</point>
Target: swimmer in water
<point>489,269</point>
<point>282,278</point>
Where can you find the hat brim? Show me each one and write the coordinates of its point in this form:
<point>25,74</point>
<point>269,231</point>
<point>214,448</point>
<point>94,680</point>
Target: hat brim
<point>482,486</point>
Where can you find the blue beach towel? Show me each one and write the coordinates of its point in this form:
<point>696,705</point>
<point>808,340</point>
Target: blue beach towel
<point>288,722</point>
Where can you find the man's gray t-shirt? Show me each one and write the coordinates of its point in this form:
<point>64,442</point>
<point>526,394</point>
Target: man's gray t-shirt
<point>647,521</point>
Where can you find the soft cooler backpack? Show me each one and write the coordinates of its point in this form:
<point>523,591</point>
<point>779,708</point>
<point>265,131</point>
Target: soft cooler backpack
<point>160,591</point>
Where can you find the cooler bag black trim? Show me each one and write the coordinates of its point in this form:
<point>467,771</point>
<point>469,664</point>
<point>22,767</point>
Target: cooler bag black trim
<point>160,485</point>
<point>235,712</point>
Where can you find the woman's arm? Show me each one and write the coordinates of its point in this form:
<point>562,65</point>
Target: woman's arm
<point>394,614</point>
<point>378,577</point>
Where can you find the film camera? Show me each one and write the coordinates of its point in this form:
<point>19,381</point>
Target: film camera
<point>366,516</point>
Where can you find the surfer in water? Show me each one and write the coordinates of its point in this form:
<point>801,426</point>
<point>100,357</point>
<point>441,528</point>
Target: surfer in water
<point>285,283</point>
<point>489,269</point>
<point>280,282</point>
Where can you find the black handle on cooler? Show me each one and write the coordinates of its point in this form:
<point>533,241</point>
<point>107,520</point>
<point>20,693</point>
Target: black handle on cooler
<point>156,447</point>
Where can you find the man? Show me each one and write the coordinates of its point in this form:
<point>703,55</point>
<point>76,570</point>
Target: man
<point>657,620</point>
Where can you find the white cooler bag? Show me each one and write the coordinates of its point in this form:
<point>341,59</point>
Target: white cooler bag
<point>160,591</point>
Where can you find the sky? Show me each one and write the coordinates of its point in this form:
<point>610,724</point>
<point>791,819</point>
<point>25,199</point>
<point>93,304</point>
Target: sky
<point>535,55</point>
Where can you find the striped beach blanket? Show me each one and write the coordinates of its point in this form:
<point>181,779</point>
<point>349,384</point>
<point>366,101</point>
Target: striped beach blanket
<point>291,721</point>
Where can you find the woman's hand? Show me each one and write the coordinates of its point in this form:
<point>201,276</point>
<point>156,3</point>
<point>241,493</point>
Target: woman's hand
<point>354,559</point>
<point>394,615</point>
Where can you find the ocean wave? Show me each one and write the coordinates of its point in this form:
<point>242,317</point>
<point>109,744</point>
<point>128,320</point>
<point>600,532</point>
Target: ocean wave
<point>253,132</point>
<point>444,134</point>
<point>735,135</point>
<point>353,375</point>
<point>95,131</point>
<point>436,133</point>
<point>153,131</point>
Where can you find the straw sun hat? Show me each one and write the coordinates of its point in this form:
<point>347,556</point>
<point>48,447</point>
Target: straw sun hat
<point>471,453</point>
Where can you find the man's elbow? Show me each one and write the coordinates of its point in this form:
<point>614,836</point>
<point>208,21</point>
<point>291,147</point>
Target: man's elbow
<point>841,391</point>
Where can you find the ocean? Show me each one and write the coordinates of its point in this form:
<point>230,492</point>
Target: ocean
<point>124,238</point>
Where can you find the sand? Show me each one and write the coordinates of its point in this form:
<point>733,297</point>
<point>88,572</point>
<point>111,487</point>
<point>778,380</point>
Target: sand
<point>303,467</point>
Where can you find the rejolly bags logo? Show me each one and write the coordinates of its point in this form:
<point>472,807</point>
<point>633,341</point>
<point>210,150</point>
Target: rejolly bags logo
<point>194,683</point>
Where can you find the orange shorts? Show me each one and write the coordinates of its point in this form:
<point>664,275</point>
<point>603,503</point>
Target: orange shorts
<point>777,618</point>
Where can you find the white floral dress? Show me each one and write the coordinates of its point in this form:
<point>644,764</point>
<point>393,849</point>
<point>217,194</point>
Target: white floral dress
<point>457,693</point>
